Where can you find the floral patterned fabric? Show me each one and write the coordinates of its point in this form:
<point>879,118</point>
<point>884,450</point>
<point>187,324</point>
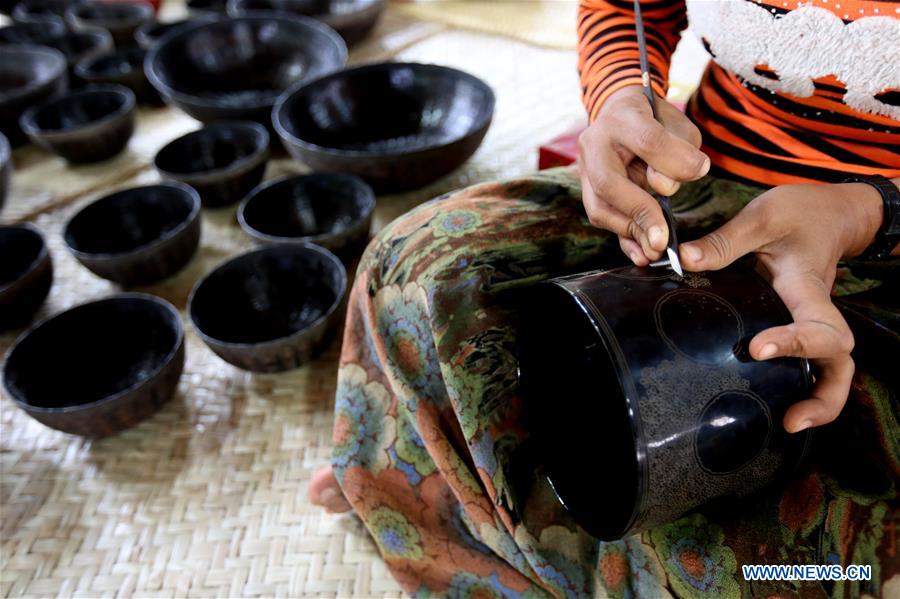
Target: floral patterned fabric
<point>427,429</point>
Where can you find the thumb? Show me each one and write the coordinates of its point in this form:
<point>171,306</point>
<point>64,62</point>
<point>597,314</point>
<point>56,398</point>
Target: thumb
<point>736,238</point>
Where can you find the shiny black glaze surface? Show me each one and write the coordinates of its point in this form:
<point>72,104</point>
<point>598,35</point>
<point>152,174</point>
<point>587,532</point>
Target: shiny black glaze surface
<point>31,10</point>
<point>29,75</point>
<point>5,168</point>
<point>81,45</point>
<point>223,161</point>
<point>139,235</point>
<point>124,67</point>
<point>650,372</point>
<point>121,19</point>
<point>270,309</point>
<point>114,362</point>
<point>396,125</point>
<point>26,274</point>
<point>330,210</point>
<point>33,32</point>
<point>352,19</point>
<point>237,68</point>
<point>88,125</point>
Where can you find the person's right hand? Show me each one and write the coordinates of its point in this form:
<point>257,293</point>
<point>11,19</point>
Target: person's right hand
<point>624,152</point>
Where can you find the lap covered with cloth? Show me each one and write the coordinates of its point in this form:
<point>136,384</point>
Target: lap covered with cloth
<point>428,419</point>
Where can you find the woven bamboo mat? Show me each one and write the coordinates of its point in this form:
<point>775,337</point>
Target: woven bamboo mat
<point>545,23</point>
<point>208,497</point>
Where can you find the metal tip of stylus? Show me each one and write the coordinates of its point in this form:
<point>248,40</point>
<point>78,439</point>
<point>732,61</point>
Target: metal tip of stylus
<point>674,262</point>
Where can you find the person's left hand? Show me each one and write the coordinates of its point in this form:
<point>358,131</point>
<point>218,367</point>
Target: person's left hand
<point>799,233</point>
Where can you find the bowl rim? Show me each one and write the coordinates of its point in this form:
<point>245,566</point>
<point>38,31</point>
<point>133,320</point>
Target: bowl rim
<point>5,150</point>
<point>47,21</point>
<point>19,15</point>
<point>166,361</point>
<point>167,91</point>
<point>236,168</point>
<point>27,124</point>
<point>103,42</point>
<point>82,68</point>
<point>142,12</point>
<point>144,40</point>
<point>42,255</point>
<point>256,192</point>
<point>94,257</point>
<point>58,70</point>
<point>364,6</point>
<point>272,247</point>
<point>291,139</point>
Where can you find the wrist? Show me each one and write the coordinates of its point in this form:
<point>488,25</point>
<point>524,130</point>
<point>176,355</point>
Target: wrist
<point>867,216</point>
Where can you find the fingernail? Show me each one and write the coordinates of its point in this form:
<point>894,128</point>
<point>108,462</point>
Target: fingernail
<point>634,257</point>
<point>327,495</point>
<point>655,236</point>
<point>804,424</point>
<point>692,252</point>
<point>705,167</point>
<point>768,350</point>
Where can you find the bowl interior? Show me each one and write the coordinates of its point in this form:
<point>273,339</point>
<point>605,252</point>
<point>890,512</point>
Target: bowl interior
<point>112,13</point>
<point>21,68</point>
<point>33,32</point>
<point>78,109</point>
<point>128,220</point>
<point>114,64</point>
<point>213,148</point>
<point>20,248</point>
<point>576,406</point>
<point>267,294</point>
<point>308,206</point>
<point>388,109</point>
<point>76,43</point>
<point>244,62</point>
<point>29,9</point>
<point>93,351</point>
<point>305,8</point>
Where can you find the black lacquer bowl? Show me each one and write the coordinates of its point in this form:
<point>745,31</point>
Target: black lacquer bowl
<point>88,125</point>
<point>124,67</point>
<point>99,367</point>
<point>222,161</point>
<point>330,210</point>
<point>271,309</point>
<point>5,168</point>
<point>237,68</point>
<point>352,19</point>
<point>121,19</point>
<point>33,32</point>
<point>26,274</point>
<point>81,45</point>
<point>137,236</point>
<point>399,126</point>
<point>649,375</point>
<point>29,75</point>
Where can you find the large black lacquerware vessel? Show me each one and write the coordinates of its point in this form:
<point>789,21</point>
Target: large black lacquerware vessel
<point>648,375</point>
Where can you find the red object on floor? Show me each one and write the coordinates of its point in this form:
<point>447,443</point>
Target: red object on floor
<point>563,150</point>
<point>154,3</point>
<point>560,151</point>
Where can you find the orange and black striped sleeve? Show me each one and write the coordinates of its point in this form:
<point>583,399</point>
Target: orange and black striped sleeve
<point>608,58</point>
